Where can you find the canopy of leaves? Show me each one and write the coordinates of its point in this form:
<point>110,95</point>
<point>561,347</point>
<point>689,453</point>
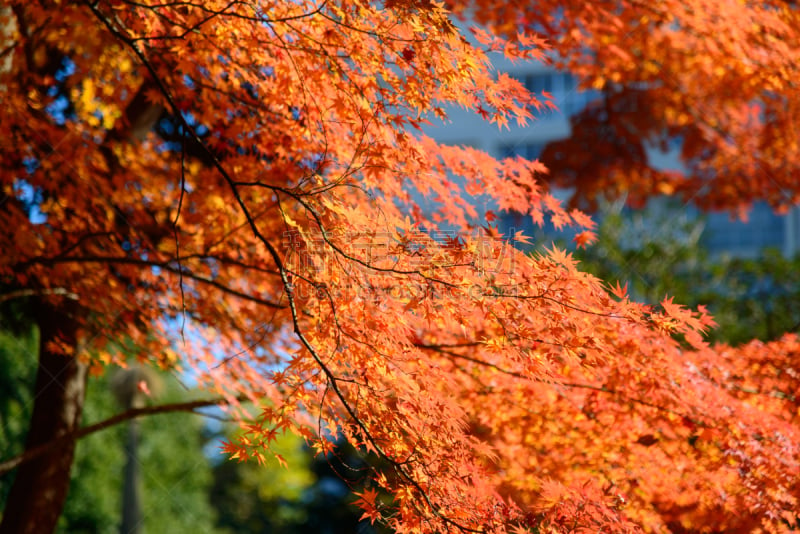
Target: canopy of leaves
<point>228,185</point>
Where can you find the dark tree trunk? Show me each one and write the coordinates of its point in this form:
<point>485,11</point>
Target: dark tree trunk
<point>131,502</point>
<point>40,486</point>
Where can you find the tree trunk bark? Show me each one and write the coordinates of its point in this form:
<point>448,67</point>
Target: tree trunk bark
<point>131,502</point>
<point>40,486</point>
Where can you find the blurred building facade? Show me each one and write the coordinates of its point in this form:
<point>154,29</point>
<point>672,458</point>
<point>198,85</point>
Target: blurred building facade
<point>721,234</point>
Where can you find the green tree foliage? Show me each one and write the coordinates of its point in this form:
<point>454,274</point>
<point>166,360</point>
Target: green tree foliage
<point>17,375</point>
<point>311,494</point>
<point>175,473</point>
<point>185,487</point>
<point>660,252</point>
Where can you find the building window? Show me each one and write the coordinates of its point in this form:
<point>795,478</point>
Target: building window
<point>529,151</point>
<point>564,89</point>
<point>763,229</point>
<point>537,83</point>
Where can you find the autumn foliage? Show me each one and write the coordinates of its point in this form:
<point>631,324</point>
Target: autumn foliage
<point>718,76</point>
<point>232,188</point>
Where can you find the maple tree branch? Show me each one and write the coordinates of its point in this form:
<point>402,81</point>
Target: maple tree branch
<point>345,255</point>
<point>163,265</point>
<point>543,296</point>
<point>488,293</point>
<point>775,393</point>
<point>211,15</point>
<point>218,13</point>
<point>162,88</point>
<point>175,235</point>
<point>572,385</point>
<point>189,406</point>
<point>21,293</point>
<point>332,379</point>
<point>371,33</point>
